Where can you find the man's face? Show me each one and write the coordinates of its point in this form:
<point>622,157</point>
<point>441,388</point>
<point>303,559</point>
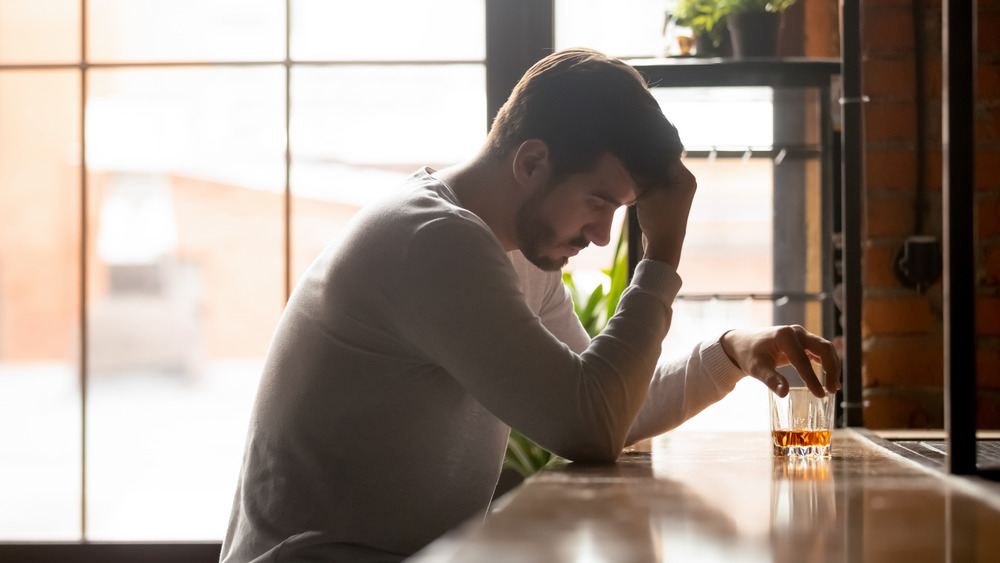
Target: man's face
<point>560,220</point>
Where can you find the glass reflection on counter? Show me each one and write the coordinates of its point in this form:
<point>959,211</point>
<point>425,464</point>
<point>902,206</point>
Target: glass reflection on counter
<point>804,511</point>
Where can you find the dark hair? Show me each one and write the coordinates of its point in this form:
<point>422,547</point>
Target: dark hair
<point>584,104</point>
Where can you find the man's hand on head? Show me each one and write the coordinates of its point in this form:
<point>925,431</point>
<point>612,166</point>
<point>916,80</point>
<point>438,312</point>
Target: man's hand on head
<point>663,214</point>
<point>760,352</point>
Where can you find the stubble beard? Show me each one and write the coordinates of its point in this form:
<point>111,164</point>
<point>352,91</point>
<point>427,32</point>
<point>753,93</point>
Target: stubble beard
<point>534,235</point>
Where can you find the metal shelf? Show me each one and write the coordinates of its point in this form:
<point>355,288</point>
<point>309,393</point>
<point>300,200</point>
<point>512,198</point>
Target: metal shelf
<point>691,72</point>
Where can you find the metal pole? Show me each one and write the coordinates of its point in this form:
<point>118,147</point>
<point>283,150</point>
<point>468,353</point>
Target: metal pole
<point>958,43</point>
<point>826,213</point>
<point>851,104</point>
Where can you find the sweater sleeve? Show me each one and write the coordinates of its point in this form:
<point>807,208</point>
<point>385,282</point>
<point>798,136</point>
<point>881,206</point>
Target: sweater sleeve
<point>459,305</point>
<point>680,387</point>
<point>683,387</point>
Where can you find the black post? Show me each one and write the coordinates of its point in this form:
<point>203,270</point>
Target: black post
<point>958,43</point>
<point>851,103</point>
<point>634,233</point>
<point>830,156</point>
<point>789,241</point>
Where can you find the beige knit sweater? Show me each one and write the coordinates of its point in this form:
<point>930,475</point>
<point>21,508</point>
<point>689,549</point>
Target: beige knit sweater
<point>405,354</point>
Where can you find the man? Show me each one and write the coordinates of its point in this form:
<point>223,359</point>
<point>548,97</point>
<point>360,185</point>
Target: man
<point>439,321</point>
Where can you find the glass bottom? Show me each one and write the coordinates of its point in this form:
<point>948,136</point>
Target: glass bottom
<point>802,451</point>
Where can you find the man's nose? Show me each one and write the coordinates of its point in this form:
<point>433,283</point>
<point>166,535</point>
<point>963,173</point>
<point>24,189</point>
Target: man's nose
<point>599,231</point>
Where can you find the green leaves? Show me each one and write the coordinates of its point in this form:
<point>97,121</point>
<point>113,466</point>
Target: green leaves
<point>589,312</point>
<point>735,6</point>
<point>618,275</point>
<point>699,15</point>
<point>708,16</point>
<point>596,309</point>
<point>525,456</point>
<point>704,17</point>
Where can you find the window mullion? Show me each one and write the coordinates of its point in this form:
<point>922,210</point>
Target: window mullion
<point>518,33</point>
<point>83,269</point>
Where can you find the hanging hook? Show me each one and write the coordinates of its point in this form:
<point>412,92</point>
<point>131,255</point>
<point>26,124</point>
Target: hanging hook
<point>780,156</point>
<point>747,155</point>
<point>712,154</point>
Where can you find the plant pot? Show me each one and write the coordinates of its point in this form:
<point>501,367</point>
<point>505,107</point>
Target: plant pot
<point>705,47</point>
<point>754,34</point>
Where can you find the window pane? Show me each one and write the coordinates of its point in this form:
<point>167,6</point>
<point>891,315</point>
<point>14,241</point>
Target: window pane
<point>185,268</point>
<point>186,30</point>
<point>39,305</point>
<point>728,246</point>
<point>724,118</point>
<point>359,131</point>
<point>39,32</point>
<point>388,30</point>
<point>620,28</point>
<point>745,408</point>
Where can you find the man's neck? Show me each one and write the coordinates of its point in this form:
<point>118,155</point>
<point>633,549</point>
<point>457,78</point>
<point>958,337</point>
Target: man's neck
<point>489,191</point>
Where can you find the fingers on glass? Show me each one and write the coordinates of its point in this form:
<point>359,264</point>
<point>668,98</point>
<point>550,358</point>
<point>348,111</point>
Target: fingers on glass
<point>823,351</point>
<point>775,382</point>
<point>794,342</point>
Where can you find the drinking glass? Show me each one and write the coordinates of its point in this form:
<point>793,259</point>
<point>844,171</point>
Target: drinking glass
<point>801,423</point>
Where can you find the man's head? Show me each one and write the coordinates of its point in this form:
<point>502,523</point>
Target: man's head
<point>589,122</point>
<point>558,220</point>
<point>583,104</point>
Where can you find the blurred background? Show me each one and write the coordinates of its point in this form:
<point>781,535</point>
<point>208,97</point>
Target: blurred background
<point>225,144</point>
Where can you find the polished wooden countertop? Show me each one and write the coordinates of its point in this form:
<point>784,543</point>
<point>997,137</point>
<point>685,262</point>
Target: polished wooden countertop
<point>704,497</point>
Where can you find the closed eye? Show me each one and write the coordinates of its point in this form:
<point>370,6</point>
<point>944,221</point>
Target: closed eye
<point>602,202</point>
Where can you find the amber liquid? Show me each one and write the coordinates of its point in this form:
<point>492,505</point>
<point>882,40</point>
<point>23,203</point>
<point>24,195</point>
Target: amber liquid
<point>801,438</point>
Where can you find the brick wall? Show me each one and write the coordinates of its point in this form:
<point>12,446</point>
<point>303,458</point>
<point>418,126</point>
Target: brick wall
<point>902,363</point>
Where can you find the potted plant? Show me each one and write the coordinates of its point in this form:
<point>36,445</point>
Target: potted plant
<point>706,19</point>
<point>754,25</point>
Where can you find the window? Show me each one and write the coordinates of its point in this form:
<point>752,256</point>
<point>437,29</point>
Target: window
<point>40,417</point>
<point>190,221</point>
<point>226,143</point>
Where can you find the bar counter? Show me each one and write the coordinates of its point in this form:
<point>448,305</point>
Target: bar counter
<point>704,497</point>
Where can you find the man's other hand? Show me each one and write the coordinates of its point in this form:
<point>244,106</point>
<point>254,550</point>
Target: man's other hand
<point>760,352</point>
<point>663,215</point>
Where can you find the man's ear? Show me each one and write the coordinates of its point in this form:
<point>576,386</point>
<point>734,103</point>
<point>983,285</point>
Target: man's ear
<point>531,163</point>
